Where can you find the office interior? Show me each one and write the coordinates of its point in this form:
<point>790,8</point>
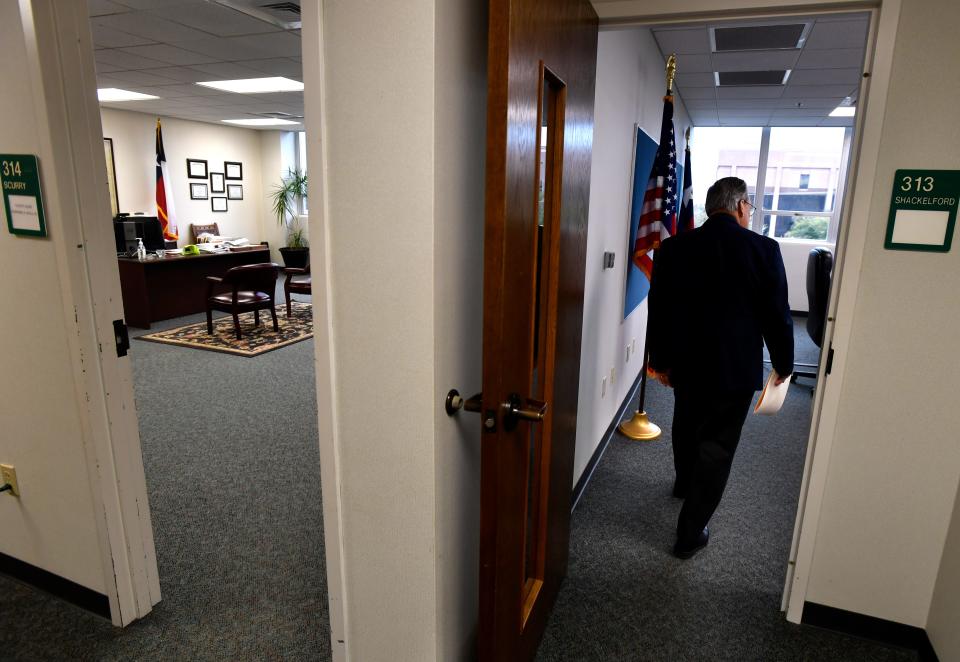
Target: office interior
<point>741,127</point>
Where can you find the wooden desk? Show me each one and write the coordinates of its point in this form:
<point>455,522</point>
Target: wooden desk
<point>176,285</point>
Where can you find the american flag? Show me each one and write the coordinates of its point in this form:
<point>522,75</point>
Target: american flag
<point>686,205</point>
<point>658,216</point>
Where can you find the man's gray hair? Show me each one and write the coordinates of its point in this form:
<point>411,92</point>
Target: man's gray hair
<point>725,194</point>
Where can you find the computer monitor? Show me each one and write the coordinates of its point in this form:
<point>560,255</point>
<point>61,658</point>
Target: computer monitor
<point>127,229</point>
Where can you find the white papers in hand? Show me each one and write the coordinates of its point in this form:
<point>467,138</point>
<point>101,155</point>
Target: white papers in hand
<point>772,396</point>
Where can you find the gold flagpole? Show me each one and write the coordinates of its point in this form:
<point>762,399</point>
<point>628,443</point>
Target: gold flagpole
<point>640,427</point>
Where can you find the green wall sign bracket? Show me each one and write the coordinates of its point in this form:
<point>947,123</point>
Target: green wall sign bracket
<point>923,210</point>
<point>22,198</point>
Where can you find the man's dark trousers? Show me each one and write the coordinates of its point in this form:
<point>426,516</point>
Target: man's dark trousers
<point>706,431</point>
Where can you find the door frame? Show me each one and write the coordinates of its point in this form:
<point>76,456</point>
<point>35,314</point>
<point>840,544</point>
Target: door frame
<point>63,83</point>
<point>851,241</point>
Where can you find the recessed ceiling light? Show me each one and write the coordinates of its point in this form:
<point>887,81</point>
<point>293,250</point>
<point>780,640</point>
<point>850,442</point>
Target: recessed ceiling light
<point>116,94</point>
<point>843,111</point>
<point>260,122</point>
<point>255,85</point>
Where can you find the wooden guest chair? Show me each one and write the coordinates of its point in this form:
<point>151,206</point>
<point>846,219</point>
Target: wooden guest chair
<point>298,282</point>
<point>252,288</point>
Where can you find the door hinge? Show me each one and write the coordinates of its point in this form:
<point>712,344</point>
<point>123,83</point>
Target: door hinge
<point>121,337</point>
<point>829,360</point>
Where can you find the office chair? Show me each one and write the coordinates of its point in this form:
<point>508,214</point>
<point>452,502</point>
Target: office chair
<point>252,286</point>
<point>298,281</point>
<point>819,269</point>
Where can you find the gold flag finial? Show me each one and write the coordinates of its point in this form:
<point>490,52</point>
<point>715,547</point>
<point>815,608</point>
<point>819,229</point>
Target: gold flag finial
<point>671,71</point>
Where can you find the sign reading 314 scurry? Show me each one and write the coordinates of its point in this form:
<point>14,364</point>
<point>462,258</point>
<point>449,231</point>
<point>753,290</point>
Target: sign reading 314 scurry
<point>22,198</point>
<point>923,210</point>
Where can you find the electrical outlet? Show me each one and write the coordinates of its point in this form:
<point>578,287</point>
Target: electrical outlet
<point>8,475</point>
<point>603,387</point>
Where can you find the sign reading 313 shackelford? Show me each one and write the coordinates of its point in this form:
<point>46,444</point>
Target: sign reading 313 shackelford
<point>923,210</point>
<point>22,198</point>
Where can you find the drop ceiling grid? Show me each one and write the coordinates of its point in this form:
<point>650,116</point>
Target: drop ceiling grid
<point>164,47</point>
<point>823,72</point>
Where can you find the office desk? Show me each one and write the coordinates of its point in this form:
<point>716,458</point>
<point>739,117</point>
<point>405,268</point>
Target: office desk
<point>175,285</point>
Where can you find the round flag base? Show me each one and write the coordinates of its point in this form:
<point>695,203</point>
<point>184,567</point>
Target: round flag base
<point>639,428</point>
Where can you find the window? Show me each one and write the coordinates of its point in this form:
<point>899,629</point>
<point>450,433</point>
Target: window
<point>799,169</point>
<point>301,161</point>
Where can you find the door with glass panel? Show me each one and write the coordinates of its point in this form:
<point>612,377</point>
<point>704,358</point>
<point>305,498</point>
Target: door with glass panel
<point>541,70</point>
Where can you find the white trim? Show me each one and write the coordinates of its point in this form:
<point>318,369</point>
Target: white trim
<point>315,95</point>
<point>850,250</point>
<point>64,92</point>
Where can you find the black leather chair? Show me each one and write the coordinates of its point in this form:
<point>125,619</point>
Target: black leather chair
<point>819,271</point>
<point>252,287</point>
<point>298,281</point>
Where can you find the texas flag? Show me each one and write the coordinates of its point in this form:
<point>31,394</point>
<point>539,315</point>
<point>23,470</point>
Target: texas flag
<point>164,199</point>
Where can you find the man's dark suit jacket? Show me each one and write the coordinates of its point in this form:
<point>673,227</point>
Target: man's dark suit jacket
<point>716,294</point>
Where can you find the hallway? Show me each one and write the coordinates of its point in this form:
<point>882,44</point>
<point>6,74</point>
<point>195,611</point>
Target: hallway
<point>626,598</point>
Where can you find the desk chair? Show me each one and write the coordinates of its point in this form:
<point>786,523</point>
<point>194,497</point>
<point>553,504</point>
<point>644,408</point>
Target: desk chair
<point>196,229</point>
<point>298,282</point>
<point>819,269</point>
<point>252,288</point>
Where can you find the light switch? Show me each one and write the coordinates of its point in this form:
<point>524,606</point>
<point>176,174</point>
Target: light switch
<point>8,476</point>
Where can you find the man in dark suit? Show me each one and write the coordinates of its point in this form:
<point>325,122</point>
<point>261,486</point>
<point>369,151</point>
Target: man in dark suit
<point>717,293</point>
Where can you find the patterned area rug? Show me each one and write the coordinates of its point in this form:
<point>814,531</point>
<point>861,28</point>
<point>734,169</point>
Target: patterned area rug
<point>256,339</point>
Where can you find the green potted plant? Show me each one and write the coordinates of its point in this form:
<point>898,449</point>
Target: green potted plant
<point>285,195</point>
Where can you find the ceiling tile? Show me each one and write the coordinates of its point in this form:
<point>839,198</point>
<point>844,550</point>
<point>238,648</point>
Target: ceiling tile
<point>795,91</point>
<point>698,93</point>
<point>825,77</point>
<point>737,120</point>
<point>169,54</point>
<point>181,74</point>
<point>224,49</point>
<point>798,121</point>
<point>755,60</point>
<point>750,92</point>
<point>810,102</point>
<point>695,80</point>
<point>152,27</point>
<point>142,78</point>
<point>837,34</point>
<point>734,104</point>
<point>275,44</point>
<point>104,37</point>
<point>123,60</point>
<point>215,19</point>
<point>278,66</point>
<point>683,41</point>
<point>104,68</point>
<point>831,58</point>
<point>228,71</point>
<point>154,4</point>
<point>697,104</point>
<point>836,121</point>
<point>694,64</point>
<point>745,112</point>
<point>801,112</point>
<point>189,91</point>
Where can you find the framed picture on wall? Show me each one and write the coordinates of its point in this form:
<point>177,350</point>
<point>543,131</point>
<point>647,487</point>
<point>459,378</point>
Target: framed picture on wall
<point>111,176</point>
<point>233,170</point>
<point>234,192</point>
<point>196,169</point>
<point>198,191</point>
<point>218,204</point>
<point>216,182</point>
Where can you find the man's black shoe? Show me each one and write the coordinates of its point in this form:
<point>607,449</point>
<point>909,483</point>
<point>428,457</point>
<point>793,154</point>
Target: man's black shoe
<point>685,551</point>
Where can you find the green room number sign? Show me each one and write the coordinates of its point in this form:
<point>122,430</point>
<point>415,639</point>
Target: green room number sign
<point>22,198</point>
<point>923,210</point>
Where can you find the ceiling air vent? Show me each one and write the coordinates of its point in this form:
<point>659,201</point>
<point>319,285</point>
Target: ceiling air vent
<point>730,78</point>
<point>290,7</point>
<point>284,15</point>
<point>758,37</point>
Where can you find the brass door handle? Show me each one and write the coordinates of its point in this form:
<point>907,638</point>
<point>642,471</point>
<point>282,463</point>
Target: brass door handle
<point>527,409</point>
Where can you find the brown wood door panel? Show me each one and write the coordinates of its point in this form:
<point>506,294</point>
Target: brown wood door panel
<point>541,70</point>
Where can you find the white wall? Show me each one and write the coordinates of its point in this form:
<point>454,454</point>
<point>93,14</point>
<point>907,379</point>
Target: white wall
<point>134,149</point>
<point>380,71</point>
<point>53,524</point>
<point>945,608</point>
<point>277,156</point>
<point>895,462</point>
<point>795,254</point>
<point>460,126</point>
<point>630,87</point>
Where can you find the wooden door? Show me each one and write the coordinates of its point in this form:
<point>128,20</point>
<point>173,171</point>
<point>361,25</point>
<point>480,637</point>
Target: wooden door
<point>541,73</point>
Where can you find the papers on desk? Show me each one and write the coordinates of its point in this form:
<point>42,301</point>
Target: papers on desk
<point>772,396</point>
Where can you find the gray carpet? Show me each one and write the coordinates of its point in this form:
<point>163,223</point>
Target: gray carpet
<point>233,474</point>
<point>625,596</point>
